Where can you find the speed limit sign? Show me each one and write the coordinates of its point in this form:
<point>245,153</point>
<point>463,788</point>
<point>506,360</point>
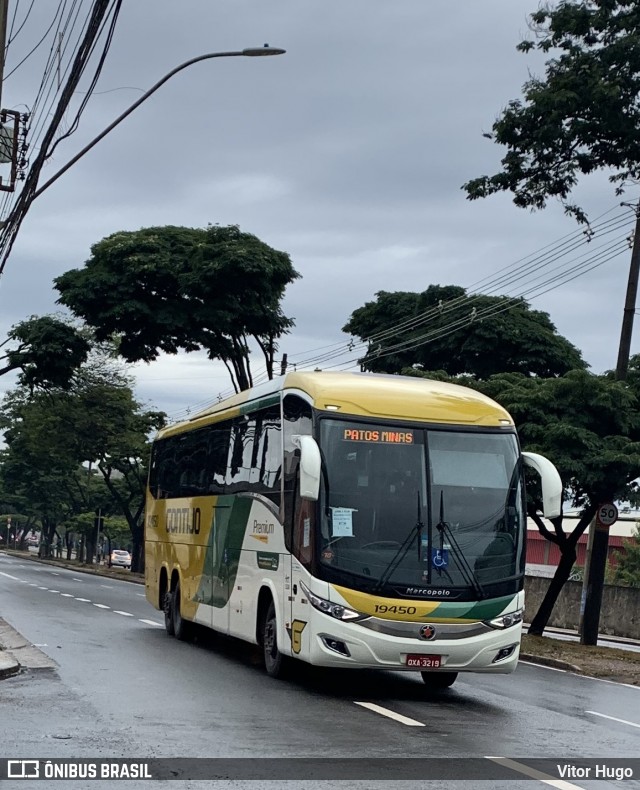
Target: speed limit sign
<point>607,514</point>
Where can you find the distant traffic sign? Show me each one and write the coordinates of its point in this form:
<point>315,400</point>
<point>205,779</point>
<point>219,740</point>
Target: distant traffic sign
<point>607,514</point>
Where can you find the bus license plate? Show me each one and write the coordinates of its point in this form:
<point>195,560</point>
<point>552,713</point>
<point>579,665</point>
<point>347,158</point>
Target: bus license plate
<point>424,662</point>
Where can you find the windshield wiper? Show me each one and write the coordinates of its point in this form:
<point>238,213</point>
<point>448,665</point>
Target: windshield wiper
<point>461,561</point>
<point>402,551</point>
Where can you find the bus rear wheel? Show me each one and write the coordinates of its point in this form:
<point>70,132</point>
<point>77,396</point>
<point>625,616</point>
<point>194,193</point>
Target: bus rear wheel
<point>439,680</point>
<point>181,627</point>
<point>167,607</point>
<point>274,661</point>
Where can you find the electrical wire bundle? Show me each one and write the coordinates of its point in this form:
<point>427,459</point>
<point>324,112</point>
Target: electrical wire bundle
<point>66,65</point>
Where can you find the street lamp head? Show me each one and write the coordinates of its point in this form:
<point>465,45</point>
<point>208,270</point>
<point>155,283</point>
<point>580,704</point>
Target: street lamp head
<point>258,52</point>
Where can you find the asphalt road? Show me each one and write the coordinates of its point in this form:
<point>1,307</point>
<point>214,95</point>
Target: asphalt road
<point>122,688</point>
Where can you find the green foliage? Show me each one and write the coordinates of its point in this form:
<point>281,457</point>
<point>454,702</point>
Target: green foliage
<point>52,436</point>
<point>587,425</point>
<point>627,570</point>
<point>446,329</point>
<point>48,352</point>
<point>167,289</point>
<point>583,116</point>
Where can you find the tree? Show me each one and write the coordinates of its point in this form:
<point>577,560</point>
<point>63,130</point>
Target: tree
<point>627,570</point>
<point>167,289</point>
<point>583,116</point>
<point>589,426</point>
<point>52,436</point>
<point>444,328</point>
<point>48,352</point>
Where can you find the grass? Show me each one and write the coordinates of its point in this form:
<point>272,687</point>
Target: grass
<point>610,663</point>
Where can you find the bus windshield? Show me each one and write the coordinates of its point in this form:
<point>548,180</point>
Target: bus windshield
<point>413,511</point>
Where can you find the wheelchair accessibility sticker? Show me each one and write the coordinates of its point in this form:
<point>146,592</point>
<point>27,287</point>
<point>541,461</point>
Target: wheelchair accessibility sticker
<point>439,558</point>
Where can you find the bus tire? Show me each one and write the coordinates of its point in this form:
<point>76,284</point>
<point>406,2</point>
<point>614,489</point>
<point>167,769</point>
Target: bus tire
<point>181,627</point>
<point>167,606</point>
<point>439,680</point>
<point>274,661</point>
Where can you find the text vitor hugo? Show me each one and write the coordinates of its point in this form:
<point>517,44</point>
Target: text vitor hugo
<point>598,771</point>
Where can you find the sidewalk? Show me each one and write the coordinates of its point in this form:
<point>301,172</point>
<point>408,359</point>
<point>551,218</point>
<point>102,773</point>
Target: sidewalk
<point>604,640</point>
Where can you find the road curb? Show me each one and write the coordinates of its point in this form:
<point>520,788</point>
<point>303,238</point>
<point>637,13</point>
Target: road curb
<point>8,666</point>
<point>556,663</point>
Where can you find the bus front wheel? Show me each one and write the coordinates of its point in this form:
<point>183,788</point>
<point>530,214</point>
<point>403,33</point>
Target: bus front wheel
<point>274,661</point>
<point>439,680</point>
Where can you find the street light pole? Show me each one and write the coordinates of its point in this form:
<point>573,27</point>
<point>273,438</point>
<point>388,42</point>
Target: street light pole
<point>249,52</point>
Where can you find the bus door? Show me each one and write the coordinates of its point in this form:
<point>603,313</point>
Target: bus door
<point>299,608</point>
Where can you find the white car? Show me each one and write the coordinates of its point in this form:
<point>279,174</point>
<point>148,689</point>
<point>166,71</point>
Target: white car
<point>120,559</point>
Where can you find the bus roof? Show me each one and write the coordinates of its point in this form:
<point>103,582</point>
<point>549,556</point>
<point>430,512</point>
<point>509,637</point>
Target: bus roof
<point>370,395</point>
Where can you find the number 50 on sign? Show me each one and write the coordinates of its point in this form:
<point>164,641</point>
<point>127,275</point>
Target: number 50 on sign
<point>607,514</point>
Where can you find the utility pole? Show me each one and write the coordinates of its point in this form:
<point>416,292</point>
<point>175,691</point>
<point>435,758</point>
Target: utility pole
<point>624,351</point>
<point>4,12</point>
<point>596,560</point>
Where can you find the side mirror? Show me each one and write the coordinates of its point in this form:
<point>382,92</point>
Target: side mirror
<point>310,466</point>
<point>551,483</point>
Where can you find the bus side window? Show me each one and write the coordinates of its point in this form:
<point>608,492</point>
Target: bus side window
<point>240,454</point>
<point>219,440</point>
<point>266,462</point>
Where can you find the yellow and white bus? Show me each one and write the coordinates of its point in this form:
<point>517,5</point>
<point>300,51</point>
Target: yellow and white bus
<point>347,520</point>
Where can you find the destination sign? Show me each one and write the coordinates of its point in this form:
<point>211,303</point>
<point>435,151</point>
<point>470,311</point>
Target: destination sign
<point>377,436</point>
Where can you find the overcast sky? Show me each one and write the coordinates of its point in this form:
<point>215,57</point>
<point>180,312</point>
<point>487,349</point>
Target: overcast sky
<point>348,152</point>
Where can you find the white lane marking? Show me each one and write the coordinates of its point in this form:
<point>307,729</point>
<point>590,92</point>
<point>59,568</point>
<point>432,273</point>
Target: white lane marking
<point>390,714</point>
<point>124,614</point>
<point>604,680</point>
<point>73,579</point>
<point>560,784</point>
<point>151,622</point>
<point>9,576</point>
<point>66,595</point>
<point>86,600</point>
<point>107,586</point>
<point>142,595</point>
<point>33,584</point>
<point>43,588</point>
<point>54,591</point>
<point>542,666</point>
<point>102,606</point>
<point>613,718</point>
<point>55,573</point>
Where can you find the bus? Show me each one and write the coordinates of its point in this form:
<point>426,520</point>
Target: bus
<point>347,520</point>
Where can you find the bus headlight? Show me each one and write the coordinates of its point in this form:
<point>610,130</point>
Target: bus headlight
<point>332,609</point>
<point>506,620</point>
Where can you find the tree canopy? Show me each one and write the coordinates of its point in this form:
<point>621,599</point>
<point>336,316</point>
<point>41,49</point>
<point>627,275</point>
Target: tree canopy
<point>444,328</point>
<point>46,350</point>
<point>589,427</point>
<point>583,116</point>
<point>166,289</point>
<point>69,451</point>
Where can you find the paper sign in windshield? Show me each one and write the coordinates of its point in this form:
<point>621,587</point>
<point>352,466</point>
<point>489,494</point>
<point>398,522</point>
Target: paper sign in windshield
<point>342,522</point>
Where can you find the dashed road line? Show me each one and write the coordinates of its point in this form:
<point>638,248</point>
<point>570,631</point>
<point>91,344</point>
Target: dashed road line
<point>86,600</point>
<point>521,768</point>
<point>54,591</point>
<point>9,576</point>
<point>613,718</point>
<point>66,595</point>
<point>390,714</point>
<point>151,622</point>
<point>124,614</point>
<point>43,588</point>
<point>102,606</point>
